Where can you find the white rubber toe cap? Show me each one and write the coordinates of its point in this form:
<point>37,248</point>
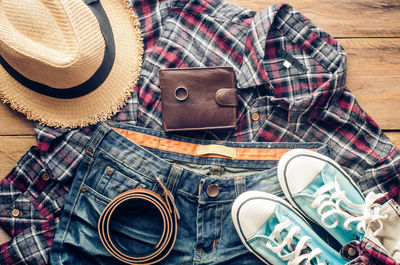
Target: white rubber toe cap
<point>250,211</point>
<point>297,168</point>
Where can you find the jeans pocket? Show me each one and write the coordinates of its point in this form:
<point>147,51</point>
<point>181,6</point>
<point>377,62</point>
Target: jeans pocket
<point>135,227</point>
<point>114,182</point>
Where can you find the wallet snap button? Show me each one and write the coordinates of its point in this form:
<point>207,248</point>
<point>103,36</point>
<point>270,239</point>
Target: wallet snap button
<point>181,93</point>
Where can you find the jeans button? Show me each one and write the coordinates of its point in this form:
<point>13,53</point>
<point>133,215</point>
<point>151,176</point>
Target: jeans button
<point>212,190</point>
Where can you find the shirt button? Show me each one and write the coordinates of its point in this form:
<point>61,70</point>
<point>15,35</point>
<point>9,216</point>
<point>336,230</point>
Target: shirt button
<point>212,190</point>
<point>45,176</point>
<point>15,212</point>
<point>352,252</point>
<point>255,116</point>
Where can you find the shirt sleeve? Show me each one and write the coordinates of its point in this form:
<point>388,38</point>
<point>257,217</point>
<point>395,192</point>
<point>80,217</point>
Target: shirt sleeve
<point>32,246</point>
<point>356,141</point>
<point>372,160</point>
<point>30,205</point>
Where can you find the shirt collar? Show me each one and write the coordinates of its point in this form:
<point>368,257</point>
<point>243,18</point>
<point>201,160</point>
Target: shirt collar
<point>295,27</point>
<point>252,70</point>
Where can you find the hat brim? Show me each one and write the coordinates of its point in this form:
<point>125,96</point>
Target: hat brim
<point>103,102</point>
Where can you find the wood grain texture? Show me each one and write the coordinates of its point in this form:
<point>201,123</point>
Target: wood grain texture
<point>344,18</point>
<point>374,77</point>
<point>373,66</point>
<point>12,148</point>
<point>13,122</point>
<point>373,63</point>
<point>4,237</point>
<point>394,138</point>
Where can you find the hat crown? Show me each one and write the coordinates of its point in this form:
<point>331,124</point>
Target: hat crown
<point>57,43</point>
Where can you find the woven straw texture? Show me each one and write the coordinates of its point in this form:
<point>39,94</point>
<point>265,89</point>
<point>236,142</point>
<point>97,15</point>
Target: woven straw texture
<point>59,44</point>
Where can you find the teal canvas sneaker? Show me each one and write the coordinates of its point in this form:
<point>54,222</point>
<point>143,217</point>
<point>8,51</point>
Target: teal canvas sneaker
<point>321,190</point>
<point>277,234</point>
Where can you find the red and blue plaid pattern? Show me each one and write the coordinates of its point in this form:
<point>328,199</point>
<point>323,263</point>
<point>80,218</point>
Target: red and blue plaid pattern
<point>368,253</point>
<point>288,71</point>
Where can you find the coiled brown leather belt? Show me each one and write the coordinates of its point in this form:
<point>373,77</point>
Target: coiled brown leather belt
<point>167,210</point>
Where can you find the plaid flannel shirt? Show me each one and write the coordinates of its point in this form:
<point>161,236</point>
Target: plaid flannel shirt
<point>291,80</point>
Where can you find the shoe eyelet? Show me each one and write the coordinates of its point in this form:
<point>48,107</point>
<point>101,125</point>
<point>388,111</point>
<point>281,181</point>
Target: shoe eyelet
<point>352,252</point>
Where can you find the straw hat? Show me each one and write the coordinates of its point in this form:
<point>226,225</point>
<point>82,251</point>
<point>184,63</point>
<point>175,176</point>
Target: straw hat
<point>68,63</point>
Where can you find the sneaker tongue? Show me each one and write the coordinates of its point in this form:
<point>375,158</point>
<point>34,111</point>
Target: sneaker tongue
<point>327,175</point>
<point>309,195</point>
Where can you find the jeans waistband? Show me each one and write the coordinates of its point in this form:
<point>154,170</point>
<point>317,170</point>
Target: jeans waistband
<point>148,152</point>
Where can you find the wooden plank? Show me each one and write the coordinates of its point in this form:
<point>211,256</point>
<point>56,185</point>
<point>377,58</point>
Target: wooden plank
<point>13,122</point>
<point>374,77</point>
<point>394,138</point>
<point>344,18</point>
<point>4,237</point>
<point>12,148</point>
<point>380,102</point>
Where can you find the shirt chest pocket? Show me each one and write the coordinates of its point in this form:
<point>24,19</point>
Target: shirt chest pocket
<point>113,182</point>
<point>287,65</point>
<point>290,63</point>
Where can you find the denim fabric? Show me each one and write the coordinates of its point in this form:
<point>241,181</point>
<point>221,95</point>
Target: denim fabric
<point>206,235</point>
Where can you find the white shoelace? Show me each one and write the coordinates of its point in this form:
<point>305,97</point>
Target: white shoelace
<point>331,203</point>
<point>294,257</point>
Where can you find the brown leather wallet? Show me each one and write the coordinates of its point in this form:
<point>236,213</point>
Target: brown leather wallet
<point>202,98</point>
<point>168,211</point>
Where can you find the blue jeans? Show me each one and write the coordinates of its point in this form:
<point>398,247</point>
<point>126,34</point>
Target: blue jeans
<point>113,164</point>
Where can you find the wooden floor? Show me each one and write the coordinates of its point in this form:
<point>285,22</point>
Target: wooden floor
<point>369,30</point>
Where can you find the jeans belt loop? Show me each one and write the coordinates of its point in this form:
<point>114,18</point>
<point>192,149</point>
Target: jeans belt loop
<point>168,211</point>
